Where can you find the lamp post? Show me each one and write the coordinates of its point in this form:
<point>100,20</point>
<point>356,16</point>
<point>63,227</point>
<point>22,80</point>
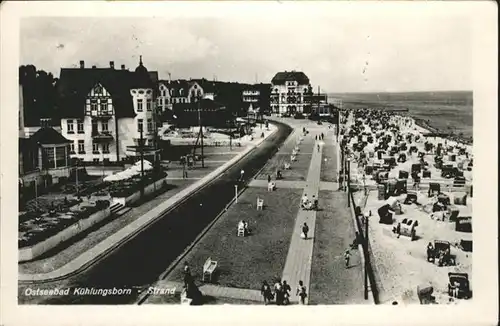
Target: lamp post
<point>201,130</point>
<point>236,193</point>
<point>141,148</point>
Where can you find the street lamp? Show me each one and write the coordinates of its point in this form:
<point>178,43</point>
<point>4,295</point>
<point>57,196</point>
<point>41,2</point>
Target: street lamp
<point>236,193</point>
<point>198,97</point>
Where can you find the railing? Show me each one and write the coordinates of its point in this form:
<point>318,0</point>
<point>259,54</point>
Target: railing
<point>362,226</point>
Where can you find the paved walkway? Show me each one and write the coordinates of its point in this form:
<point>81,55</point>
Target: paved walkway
<point>100,250</point>
<point>283,184</point>
<point>298,263</point>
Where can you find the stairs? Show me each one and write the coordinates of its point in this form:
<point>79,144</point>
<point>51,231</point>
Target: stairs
<point>118,209</point>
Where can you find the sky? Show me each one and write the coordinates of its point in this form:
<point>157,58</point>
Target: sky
<point>386,50</point>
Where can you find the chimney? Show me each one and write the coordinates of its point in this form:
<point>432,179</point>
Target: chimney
<point>93,67</point>
<point>82,64</point>
<point>112,64</point>
<point>123,67</point>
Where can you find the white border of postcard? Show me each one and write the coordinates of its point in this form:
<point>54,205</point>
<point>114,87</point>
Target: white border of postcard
<point>482,310</point>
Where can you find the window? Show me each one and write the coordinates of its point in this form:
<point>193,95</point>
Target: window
<point>96,160</point>
<point>139,105</point>
<point>72,148</point>
<point>110,106</point>
<point>149,104</point>
<point>167,101</point>
<point>81,147</point>
<point>61,156</point>
<point>95,148</point>
<point>105,148</point>
<point>104,126</point>
<point>150,125</point>
<point>139,125</point>
<point>93,104</point>
<point>70,127</point>
<point>105,161</point>
<point>48,161</point>
<point>80,126</point>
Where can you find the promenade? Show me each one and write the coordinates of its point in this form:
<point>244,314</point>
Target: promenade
<point>107,245</point>
<point>326,279</point>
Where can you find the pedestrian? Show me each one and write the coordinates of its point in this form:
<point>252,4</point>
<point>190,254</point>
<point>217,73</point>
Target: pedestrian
<point>242,173</point>
<point>266,292</point>
<point>268,178</point>
<point>316,137</point>
<point>278,293</point>
<point>318,147</point>
<point>187,274</point>
<point>347,257</point>
<point>301,292</point>
<point>305,230</point>
<point>286,293</point>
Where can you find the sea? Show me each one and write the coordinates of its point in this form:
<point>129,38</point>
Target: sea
<point>447,111</point>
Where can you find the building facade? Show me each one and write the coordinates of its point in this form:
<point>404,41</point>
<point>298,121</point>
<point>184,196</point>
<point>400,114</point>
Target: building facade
<point>288,92</point>
<point>103,111</point>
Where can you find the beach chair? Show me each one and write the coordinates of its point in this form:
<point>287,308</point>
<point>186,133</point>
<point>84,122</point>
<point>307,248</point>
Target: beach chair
<point>271,186</point>
<point>241,231</point>
<point>287,166</point>
<point>208,269</point>
<point>260,203</point>
<point>292,158</point>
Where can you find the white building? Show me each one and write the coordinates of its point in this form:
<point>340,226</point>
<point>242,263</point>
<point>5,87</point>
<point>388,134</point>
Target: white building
<point>104,109</point>
<point>289,92</point>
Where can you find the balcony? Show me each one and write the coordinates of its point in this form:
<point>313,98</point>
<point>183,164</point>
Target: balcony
<point>103,136</point>
<point>100,115</point>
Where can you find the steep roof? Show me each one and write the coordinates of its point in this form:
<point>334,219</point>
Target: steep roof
<point>281,77</point>
<point>207,85</point>
<point>176,86</point>
<point>47,135</point>
<point>76,83</point>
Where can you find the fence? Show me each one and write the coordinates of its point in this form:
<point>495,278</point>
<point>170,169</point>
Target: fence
<point>363,235</point>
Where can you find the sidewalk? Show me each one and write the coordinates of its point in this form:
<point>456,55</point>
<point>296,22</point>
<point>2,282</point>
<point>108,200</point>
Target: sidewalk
<point>100,250</point>
<point>298,263</point>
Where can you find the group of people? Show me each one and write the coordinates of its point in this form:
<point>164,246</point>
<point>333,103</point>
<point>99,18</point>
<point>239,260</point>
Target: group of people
<point>320,137</point>
<point>281,292</point>
<point>309,204</point>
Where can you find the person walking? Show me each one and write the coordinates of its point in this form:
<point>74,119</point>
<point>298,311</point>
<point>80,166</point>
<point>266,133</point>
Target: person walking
<point>317,147</point>
<point>305,230</point>
<point>301,292</point>
<point>268,178</point>
<point>286,293</point>
<point>347,257</point>
<point>278,293</point>
<point>266,292</point>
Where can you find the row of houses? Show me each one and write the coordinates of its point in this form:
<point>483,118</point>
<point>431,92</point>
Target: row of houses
<point>104,113</point>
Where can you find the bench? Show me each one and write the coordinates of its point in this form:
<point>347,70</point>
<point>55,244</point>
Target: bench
<point>260,203</point>
<point>209,269</point>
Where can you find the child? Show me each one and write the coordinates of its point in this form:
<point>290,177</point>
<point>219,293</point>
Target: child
<point>301,292</point>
